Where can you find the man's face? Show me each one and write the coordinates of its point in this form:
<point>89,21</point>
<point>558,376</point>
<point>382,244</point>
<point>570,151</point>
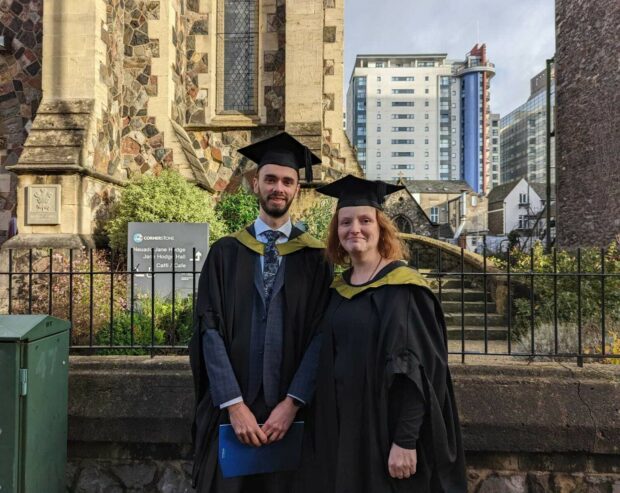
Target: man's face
<point>276,187</point>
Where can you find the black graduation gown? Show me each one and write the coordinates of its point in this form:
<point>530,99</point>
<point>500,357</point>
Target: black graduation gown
<point>225,299</point>
<point>391,327</point>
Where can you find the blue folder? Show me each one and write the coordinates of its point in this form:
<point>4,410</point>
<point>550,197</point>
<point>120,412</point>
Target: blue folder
<point>238,459</point>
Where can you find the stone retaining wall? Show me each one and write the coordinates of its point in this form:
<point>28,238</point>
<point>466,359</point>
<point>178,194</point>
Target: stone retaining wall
<point>526,428</point>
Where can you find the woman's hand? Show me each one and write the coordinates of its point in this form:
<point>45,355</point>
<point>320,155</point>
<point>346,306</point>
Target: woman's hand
<point>402,462</point>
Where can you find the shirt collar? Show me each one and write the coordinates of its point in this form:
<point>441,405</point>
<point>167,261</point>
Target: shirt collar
<point>260,227</point>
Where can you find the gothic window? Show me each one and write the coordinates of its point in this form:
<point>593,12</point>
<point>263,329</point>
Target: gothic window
<point>403,224</point>
<point>237,57</point>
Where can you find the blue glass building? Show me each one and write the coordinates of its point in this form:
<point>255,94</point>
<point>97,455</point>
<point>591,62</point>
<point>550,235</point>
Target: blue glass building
<point>475,119</point>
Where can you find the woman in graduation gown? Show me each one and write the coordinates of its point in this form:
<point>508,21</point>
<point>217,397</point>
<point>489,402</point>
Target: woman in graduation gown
<point>386,419</point>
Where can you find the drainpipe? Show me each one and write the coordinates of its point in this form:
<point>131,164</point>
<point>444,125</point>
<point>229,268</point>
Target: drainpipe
<point>463,205</point>
<point>550,62</point>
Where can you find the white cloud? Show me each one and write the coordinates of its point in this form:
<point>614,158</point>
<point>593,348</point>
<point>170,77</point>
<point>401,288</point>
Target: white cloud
<point>519,34</point>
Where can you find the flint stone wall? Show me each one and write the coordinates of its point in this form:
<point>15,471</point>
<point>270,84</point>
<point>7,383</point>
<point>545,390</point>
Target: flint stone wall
<point>526,428</point>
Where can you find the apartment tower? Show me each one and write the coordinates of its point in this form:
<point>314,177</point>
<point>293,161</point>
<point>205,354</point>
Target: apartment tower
<point>422,117</point>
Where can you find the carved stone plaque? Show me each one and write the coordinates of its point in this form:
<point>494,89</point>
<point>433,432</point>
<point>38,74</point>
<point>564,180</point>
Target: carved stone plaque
<point>43,204</point>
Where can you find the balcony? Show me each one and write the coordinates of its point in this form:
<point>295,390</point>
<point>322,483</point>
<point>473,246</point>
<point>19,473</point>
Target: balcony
<point>477,67</point>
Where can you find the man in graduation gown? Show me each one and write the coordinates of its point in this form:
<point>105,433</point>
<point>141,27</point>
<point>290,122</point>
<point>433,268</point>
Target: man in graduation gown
<point>255,348</point>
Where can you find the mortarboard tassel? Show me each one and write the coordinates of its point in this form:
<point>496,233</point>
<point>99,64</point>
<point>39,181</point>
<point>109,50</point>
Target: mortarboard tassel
<point>381,191</point>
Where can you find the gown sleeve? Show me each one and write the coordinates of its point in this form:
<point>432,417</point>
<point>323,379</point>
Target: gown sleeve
<point>408,403</point>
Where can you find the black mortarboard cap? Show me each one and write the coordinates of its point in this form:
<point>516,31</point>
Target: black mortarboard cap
<point>353,191</point>
<point>283,150</point>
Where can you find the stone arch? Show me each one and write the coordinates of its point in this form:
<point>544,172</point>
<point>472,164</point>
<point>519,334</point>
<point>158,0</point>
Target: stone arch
<point>403,224</point>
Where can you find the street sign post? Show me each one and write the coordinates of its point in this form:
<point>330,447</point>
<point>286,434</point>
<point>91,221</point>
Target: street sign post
<point>153,245</point>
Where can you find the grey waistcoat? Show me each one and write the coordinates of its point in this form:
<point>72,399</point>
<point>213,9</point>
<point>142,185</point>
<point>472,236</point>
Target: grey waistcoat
<point>266,339</point>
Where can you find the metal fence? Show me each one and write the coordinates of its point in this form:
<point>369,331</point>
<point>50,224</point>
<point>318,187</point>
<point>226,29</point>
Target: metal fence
<point>558,305</point>
<point>100,296</point>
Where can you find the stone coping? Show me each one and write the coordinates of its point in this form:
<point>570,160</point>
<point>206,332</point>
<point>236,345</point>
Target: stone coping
<point>469,257</point>
<point>511,367</point>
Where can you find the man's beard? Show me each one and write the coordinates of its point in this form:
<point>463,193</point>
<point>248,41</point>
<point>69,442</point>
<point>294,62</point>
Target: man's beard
<point>271,210</point>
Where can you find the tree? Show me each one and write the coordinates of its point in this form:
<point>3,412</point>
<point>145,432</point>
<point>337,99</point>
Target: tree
<point>237,210</point>
<point>168,197</point>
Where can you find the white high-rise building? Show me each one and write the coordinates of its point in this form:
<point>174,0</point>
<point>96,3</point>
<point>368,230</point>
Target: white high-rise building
<point>421,117</point>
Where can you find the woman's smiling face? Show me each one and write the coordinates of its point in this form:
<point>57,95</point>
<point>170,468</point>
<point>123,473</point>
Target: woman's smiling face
<point>358,229</point>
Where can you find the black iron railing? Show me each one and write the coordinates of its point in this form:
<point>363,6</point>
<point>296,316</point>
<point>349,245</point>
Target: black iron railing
<point>558,306</point>
<point>546,307</point>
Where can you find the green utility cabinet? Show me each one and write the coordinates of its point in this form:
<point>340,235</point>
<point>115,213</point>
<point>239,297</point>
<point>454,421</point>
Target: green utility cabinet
<point>34,363</point>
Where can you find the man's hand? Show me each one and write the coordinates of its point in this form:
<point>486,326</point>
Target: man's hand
<point>245,425</point>
<point>402,462</point>
<point>280,420</point>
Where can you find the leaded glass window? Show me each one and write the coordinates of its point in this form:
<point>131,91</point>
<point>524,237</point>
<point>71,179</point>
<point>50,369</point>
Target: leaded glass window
<point>237,46</point>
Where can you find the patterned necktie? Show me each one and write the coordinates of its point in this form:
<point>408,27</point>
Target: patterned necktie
<point>270,266</point>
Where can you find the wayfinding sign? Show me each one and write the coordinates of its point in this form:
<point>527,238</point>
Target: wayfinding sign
<point>153,245</point>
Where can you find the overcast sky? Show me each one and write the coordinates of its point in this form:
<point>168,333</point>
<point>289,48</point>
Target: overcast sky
<point>519,34</point>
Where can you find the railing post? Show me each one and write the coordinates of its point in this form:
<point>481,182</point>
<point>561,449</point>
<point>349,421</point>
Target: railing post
<point>71,293</point>
<point>555,300</point>
<point>91,292</point>
<point>509,301</point>
<point>603,334</point>
<point>462,305</point>
<point>30,281</point>
<point>10,282</point>
<point>132,296</point>
<point>193,286</point>
<point>112,298</point>
<point>152,302</point>
<point>485,293</point>
<point>439,276</point>
<point>50,299</point>
<point>174,261</point>
<point>532,304</point>
<point>579,328</point>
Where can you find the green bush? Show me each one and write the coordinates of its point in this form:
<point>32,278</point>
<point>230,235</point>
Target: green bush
<point>237,210</point>
<point>164,332</point>
<point>316,219</point>
<point>168,197</point>
<point>563,298</point>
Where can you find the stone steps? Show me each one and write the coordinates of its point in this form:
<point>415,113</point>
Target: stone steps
<point>455,295</point>
<point>474,319</point>
<point>455,288</point>
<point>454,283</point>
<point>470,306</point>
<point>477,333</point>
